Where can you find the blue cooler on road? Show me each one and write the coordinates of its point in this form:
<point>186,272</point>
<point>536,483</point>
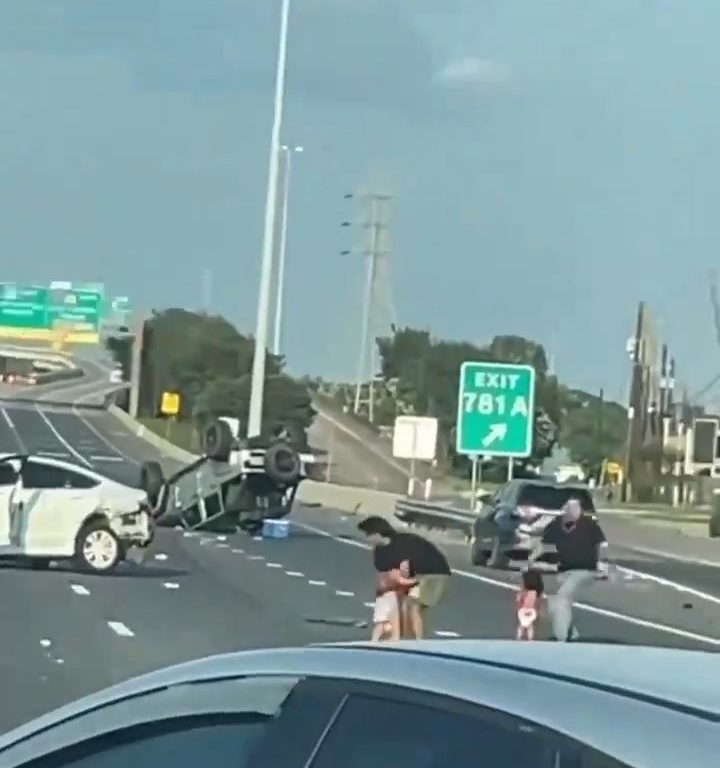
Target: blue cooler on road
<point>275,529</point>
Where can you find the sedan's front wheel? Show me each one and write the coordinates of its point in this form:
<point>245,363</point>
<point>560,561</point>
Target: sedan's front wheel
<point>97,548</point>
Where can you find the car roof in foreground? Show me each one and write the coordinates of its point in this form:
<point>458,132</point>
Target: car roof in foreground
<point>679,687</point>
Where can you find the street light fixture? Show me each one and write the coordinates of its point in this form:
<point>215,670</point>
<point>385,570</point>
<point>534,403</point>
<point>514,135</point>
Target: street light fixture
<point>287,153</point>
<point>257,386</point>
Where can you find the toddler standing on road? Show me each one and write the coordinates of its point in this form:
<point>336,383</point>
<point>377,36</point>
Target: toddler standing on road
<point>527,604</point>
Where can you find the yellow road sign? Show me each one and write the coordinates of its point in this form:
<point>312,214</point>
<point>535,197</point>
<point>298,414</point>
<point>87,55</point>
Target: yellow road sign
<point>170,404</point>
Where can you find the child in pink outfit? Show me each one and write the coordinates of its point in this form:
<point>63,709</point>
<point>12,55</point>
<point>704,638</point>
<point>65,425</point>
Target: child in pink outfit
<point>528,602</point>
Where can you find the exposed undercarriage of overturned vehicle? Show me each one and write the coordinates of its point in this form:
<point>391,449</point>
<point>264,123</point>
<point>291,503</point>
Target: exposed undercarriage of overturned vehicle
<point>230,486</point>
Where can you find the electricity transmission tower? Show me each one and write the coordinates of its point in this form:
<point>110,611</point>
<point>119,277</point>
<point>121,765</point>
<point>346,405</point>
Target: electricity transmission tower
<point>377,307</point>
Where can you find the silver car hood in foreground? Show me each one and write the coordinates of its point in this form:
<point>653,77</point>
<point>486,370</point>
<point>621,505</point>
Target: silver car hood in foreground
<point>646,707</point>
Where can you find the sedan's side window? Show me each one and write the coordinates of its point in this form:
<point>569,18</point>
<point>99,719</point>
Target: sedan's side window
<point>372,731</point>
<point>186,742</point>
<point>37,476</point>
<point>79,480</point>
<point>8,474</point>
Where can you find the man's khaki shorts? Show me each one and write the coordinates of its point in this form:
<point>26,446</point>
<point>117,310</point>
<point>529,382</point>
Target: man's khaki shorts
<point>429,589</point>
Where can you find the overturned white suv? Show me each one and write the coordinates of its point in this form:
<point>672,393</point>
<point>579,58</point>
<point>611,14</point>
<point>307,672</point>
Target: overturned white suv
<point>53,510</point>
<point>236,484</point>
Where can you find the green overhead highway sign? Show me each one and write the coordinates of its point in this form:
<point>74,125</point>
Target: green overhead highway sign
<point>39,312</point>
<point>496,409</point>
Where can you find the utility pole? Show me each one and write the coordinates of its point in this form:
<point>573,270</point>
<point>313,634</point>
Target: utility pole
<point>136,367</point>
<point>257,384</point>
<point>376,226</point>
<point>287,153</point>
<point>635,404</point>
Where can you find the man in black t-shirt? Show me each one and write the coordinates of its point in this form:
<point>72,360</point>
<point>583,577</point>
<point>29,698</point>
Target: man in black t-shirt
<point>419,558</point>
<point>579,541</point>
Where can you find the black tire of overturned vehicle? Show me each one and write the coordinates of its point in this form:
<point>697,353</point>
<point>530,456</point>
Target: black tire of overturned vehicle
<point>151,480</point>
<point>282,464</point>
<point>218,441</point>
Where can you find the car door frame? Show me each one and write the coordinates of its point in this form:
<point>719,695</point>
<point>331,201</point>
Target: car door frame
<point>8,512</point>
<point>43,536</point>
<point>308,710</point>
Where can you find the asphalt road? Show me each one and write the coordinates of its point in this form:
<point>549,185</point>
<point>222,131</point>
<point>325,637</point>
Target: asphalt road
<point>65,634</point>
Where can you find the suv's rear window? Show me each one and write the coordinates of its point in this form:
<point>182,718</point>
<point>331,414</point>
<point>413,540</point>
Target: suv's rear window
<point>552,498</point>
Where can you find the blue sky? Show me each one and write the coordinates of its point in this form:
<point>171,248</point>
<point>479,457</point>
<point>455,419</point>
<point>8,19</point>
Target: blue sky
<point>552,163</point>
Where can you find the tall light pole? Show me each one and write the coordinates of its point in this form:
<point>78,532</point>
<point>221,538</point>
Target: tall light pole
<point>257,385</point>
<point>287,153</point>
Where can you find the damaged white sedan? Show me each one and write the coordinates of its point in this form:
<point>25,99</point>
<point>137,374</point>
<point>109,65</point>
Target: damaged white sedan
<point>52,509</point>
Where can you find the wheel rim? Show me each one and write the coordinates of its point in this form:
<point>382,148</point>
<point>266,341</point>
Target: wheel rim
<point>100,549</point>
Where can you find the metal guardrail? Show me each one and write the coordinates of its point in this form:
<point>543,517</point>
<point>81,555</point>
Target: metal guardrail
<point>429,515</point>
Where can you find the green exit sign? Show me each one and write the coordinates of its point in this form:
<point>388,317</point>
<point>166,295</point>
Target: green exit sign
<point>496,409</point>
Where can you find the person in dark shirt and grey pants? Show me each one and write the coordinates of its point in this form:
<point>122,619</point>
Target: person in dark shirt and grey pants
<point>580,544</point>
<point>420,559</point>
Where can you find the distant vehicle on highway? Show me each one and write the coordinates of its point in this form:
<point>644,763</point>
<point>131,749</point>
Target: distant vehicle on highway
<point>243,483</point>
<point>512,519</point>
<point>52,509</point>
<point>427,704</point>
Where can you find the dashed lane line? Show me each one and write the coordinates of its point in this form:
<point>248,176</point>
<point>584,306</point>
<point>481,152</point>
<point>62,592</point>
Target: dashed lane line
<point>78,589</point>
<point>120,629</point>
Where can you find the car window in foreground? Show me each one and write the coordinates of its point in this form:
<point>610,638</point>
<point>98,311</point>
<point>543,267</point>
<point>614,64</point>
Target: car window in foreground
<point>553,499</point>
<point>187,742</point>
<point>372,732</point>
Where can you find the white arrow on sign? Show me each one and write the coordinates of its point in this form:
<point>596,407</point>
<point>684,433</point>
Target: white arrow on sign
<point>497,432</point>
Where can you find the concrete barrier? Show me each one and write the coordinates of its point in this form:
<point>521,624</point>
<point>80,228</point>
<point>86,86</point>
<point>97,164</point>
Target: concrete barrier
<point>363,501</point>
<point>164,446</point>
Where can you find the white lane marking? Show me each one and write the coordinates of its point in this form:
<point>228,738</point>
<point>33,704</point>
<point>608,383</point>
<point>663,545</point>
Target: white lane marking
<point>61,439</point>
<point>7,418</point>
<point>317,583</point>
<point>119,455</point>
<point>678,558</point>
<point>631,573</point>
<point>222,538</point>
<point>14,430</point>
<point>59,661</point>
<point>257,538</point>
<point>99,457</point>
<point>120,629</point>
<point>45,643</point>
<point>344,593</point>
<point>657,627</point>
<point>54,454</point>
<point>369,605</point>
<point>161,556</point>
<point>78,589</point>
<point>221,545</point>
<point>171,585</point>
<point>256,557</point>
<point>238,551</point>
<point>295,574</point>
<point>446,633</point>
<point>274,565</point>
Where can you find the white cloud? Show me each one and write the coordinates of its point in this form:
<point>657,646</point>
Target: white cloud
<point>471,71</point>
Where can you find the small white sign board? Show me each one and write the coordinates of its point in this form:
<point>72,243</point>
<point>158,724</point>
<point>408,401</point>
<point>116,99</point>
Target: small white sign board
<point>415,437</point>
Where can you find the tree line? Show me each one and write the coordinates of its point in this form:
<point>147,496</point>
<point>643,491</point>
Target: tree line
<point>205,360</point>
<point>419,374</point>
<point>208,362</point>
